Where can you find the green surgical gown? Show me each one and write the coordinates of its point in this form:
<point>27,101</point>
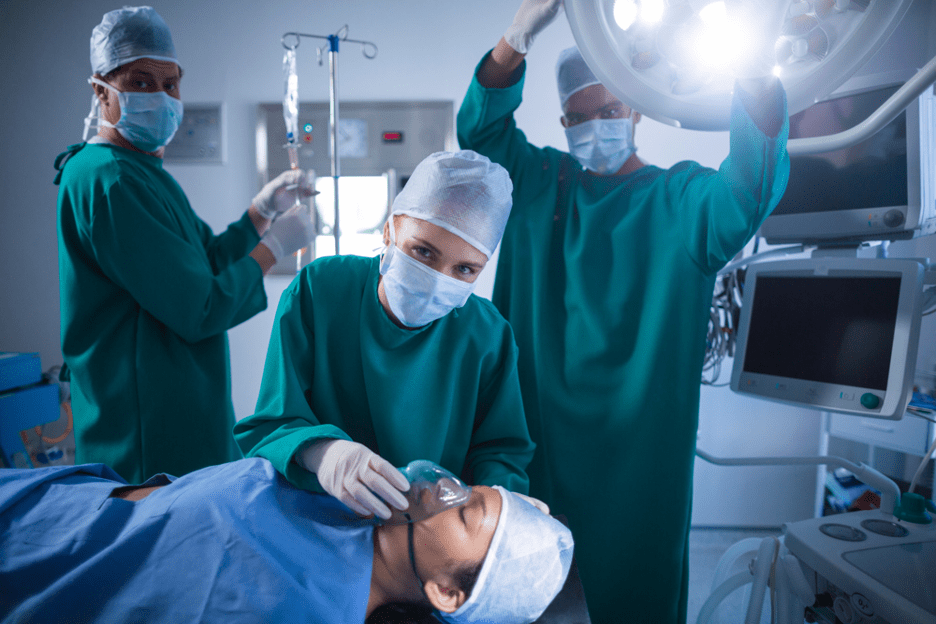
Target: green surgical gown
<point>607,282</point>
<point>338,367</point>
<point>147,294</point>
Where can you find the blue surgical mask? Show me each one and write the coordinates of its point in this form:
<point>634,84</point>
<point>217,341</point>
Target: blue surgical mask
<point>602,145</point>
<point>147,120</point>
<point>418,294</point>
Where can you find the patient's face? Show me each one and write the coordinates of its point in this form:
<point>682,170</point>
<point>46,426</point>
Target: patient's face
<point>460,535</point>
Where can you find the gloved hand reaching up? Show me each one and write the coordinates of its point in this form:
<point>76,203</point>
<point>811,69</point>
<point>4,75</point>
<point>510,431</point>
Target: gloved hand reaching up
<point>356,476</point>
<point>532,17</point>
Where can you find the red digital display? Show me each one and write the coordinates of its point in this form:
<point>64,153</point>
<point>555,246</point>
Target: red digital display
<point>392,137</point>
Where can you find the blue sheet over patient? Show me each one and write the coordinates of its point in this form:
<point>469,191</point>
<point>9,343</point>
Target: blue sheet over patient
<point>235,541</point>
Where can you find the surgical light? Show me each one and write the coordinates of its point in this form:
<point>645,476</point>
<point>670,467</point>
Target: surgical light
<point>671,59</point>
<point>714,14</point>
<point>625,13</point>
<point>651,11</point>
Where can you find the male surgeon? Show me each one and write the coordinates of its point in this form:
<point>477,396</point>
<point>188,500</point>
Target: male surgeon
<point>606,271</point>
<point>147,290</point>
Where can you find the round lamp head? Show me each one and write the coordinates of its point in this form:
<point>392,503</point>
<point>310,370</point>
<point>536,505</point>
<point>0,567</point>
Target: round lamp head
<point>671,59</point>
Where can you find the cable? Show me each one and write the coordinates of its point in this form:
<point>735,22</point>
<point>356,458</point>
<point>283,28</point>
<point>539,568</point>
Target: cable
<point>919,472</point>
<point>723,322</point>
<point>726,309</point>
<point>912,412</point>
<point>774,582</point>
<point>929,297</point>
<point>779,251</point>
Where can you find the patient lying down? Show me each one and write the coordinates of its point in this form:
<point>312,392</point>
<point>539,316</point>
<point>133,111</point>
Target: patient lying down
<point>238,541</point>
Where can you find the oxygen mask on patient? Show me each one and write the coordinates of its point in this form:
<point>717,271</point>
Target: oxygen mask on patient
<point>433,489</point>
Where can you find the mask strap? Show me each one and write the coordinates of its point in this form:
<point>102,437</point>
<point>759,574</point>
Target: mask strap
<point>387,249</point>
<point>94,115</point>
<point>412,557</point>
<point>392,230</point>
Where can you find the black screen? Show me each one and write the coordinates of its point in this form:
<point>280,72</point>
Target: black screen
<point>872,174</point>
<point>836,330</point>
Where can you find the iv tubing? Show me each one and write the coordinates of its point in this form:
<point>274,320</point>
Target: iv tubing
<point>723,591</point>
<point>762,569</point>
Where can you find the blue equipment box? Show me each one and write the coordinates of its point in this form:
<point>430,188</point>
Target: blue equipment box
<point>19,369</point>
<point>22,409</point>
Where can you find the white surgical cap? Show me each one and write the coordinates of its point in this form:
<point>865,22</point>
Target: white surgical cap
<point>526,566</point>
<point>462,192</point>
<point>572,74</point>
<point>128,34</point>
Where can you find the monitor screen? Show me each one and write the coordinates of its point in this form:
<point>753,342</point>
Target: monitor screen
<point>882,188</point>
<point>871,174</point>
<point>834,334</point>
<point>848,323</point>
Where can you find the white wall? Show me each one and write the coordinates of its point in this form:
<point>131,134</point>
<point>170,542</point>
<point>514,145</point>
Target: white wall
<point>427,50</point>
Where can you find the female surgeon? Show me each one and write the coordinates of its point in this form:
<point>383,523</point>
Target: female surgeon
<point>375,362</point>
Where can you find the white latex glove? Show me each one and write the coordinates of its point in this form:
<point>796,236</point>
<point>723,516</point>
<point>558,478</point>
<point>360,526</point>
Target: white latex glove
<point>759,23</point>
<point>279,194</point>
<point>291,231</point>
<point>356,475</point>
<point>535,502</point>
<point>532,17</point>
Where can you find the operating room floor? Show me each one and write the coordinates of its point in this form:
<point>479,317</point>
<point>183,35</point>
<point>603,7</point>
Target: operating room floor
<point>706,546</point>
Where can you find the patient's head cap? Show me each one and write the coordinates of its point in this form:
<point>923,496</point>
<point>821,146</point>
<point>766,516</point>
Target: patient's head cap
<point>525,568</point>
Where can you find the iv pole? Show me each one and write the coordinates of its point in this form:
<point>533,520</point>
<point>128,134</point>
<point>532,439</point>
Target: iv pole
<point>369,50</point>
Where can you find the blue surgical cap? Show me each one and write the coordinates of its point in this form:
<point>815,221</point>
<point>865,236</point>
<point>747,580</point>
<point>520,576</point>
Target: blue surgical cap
<point>572,74</point>
<point>462,192</point>
<point>128,34</point>
<point>525,568</point>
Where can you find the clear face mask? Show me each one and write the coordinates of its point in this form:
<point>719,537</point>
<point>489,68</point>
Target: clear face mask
<point>147,120</point>
<point>602,145</point>
<point>433,489</point>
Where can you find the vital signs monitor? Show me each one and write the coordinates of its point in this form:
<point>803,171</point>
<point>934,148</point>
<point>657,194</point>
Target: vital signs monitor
<point>834,334</point>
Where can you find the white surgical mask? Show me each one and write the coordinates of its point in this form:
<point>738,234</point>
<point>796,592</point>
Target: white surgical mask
<point>147,120</point>
<point>418,294</point>
<point>602,145</point>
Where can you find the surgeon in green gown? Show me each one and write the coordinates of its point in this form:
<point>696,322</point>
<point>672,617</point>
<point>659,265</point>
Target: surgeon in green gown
<point>375,362</point>
<point>147,290</point>
<point>606,273</point>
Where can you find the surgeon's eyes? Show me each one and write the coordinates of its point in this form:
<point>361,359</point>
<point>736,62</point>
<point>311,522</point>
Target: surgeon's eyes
<point>422,252</point>
<point>465,270</point>
<point>612,113</point>
<point>575,118</point>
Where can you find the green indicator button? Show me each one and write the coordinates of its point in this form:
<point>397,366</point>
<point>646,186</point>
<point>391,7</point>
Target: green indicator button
<point>870,400</point>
